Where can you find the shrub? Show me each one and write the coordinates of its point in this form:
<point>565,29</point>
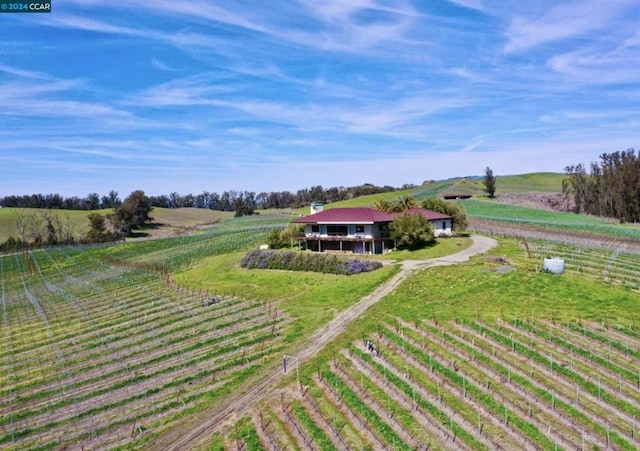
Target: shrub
<point>411,231</point>
<point>296,261</point>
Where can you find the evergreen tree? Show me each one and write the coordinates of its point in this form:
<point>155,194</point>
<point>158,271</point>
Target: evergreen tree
<point>489,182</point>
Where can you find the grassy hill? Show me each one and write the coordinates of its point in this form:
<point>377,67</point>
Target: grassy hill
<point>77,218</point>
<point>537,183</point>
<point>166,222</point>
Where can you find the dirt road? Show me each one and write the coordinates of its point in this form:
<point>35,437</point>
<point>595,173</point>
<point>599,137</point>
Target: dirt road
<point>209,421</point>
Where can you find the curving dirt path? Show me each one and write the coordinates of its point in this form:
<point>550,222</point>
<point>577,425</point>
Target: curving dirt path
<point>205,423</point>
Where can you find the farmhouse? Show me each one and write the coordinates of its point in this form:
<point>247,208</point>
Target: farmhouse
<point>359,230</point>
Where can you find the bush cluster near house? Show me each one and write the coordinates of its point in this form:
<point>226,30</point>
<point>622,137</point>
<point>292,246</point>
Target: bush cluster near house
<point>298,261</point>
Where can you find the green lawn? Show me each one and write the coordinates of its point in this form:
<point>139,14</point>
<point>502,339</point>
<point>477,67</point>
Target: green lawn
<point>443,246</point>
<point>466,291</point>
<point>312,299</point>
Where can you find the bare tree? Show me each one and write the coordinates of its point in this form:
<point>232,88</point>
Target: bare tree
<point>49,221</point>
<point>67,229</point>
<point>22,225</point>
<point>36,228</point>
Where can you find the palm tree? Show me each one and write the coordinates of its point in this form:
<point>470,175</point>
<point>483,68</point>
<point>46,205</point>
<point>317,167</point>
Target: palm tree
<point>405,203</point>
<point>383,205</point>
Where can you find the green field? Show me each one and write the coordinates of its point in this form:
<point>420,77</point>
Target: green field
<point>539,183</point>
<point>166,222</point>
<point>78,220</point>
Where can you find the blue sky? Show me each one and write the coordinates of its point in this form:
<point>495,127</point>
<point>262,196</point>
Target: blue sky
<point>167,96</point>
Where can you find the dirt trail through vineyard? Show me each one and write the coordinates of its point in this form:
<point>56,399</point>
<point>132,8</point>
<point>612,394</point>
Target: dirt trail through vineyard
<point>196,431</point>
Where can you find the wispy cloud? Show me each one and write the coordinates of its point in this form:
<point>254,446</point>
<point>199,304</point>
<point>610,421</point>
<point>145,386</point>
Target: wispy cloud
<point>162,65</point>
<point>571,19</point>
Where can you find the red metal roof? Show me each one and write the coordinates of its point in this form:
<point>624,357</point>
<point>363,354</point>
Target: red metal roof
<point>429,214</point>
<point>361,215</point>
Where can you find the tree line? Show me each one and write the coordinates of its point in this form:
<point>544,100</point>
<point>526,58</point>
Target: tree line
<point>611,188</point>
<point>93,201</point>
<point>241,202</point>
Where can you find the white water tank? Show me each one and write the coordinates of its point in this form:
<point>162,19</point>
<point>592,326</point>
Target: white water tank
<point>553,265</point>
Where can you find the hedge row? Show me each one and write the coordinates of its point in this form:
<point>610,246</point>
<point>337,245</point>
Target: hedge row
<point>301,261</point>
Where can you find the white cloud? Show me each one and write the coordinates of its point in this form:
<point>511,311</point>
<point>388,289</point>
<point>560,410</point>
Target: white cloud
<point>564,20</point>
<point>155,62</point>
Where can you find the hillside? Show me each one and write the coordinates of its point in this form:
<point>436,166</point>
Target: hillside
<point>537,190</point>
<point>166,222</point>
<point>532,190</point>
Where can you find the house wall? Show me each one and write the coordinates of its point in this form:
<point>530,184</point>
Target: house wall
<point>369,230</point>
<point>441,227</point>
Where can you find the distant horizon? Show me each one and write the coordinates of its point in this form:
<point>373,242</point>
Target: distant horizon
<point>122,195</point>
<point>200,96</point>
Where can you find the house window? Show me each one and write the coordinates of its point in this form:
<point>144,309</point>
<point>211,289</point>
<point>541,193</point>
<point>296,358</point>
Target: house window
<point>444,225</point>
<point>337,230</point>
<point>384,230</point>
<point>359,229</point>
<point>315,228</point>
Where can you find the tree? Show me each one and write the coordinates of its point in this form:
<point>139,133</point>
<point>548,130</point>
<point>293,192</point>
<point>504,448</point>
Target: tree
<point>292,231</point>
<point>279,238</point>
<point>22,225</point>
<point>97,228</point>
<point>36,228</point>
<point>275,240</point>
<point>411,231</point>
<point>111,201</point>
<point>93,201</point>
<point>454,210</point>
<point>66,229</point>
<point>133,213</point>
<point>612,188</point>
<point>383,205</point>
<point>489,182</point>
<point>52,234</point>
<point>405,203</point>
<point>98,232</point>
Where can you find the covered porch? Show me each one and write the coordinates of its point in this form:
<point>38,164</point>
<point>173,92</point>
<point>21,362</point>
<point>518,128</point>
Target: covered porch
<point>348,245</point>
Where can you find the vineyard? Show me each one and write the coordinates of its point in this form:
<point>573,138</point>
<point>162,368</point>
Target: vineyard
<point>501,215</point>
<point>101,345</point>
<point>595,256</point>
<point>113,348</point>
<point>518,384</point>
